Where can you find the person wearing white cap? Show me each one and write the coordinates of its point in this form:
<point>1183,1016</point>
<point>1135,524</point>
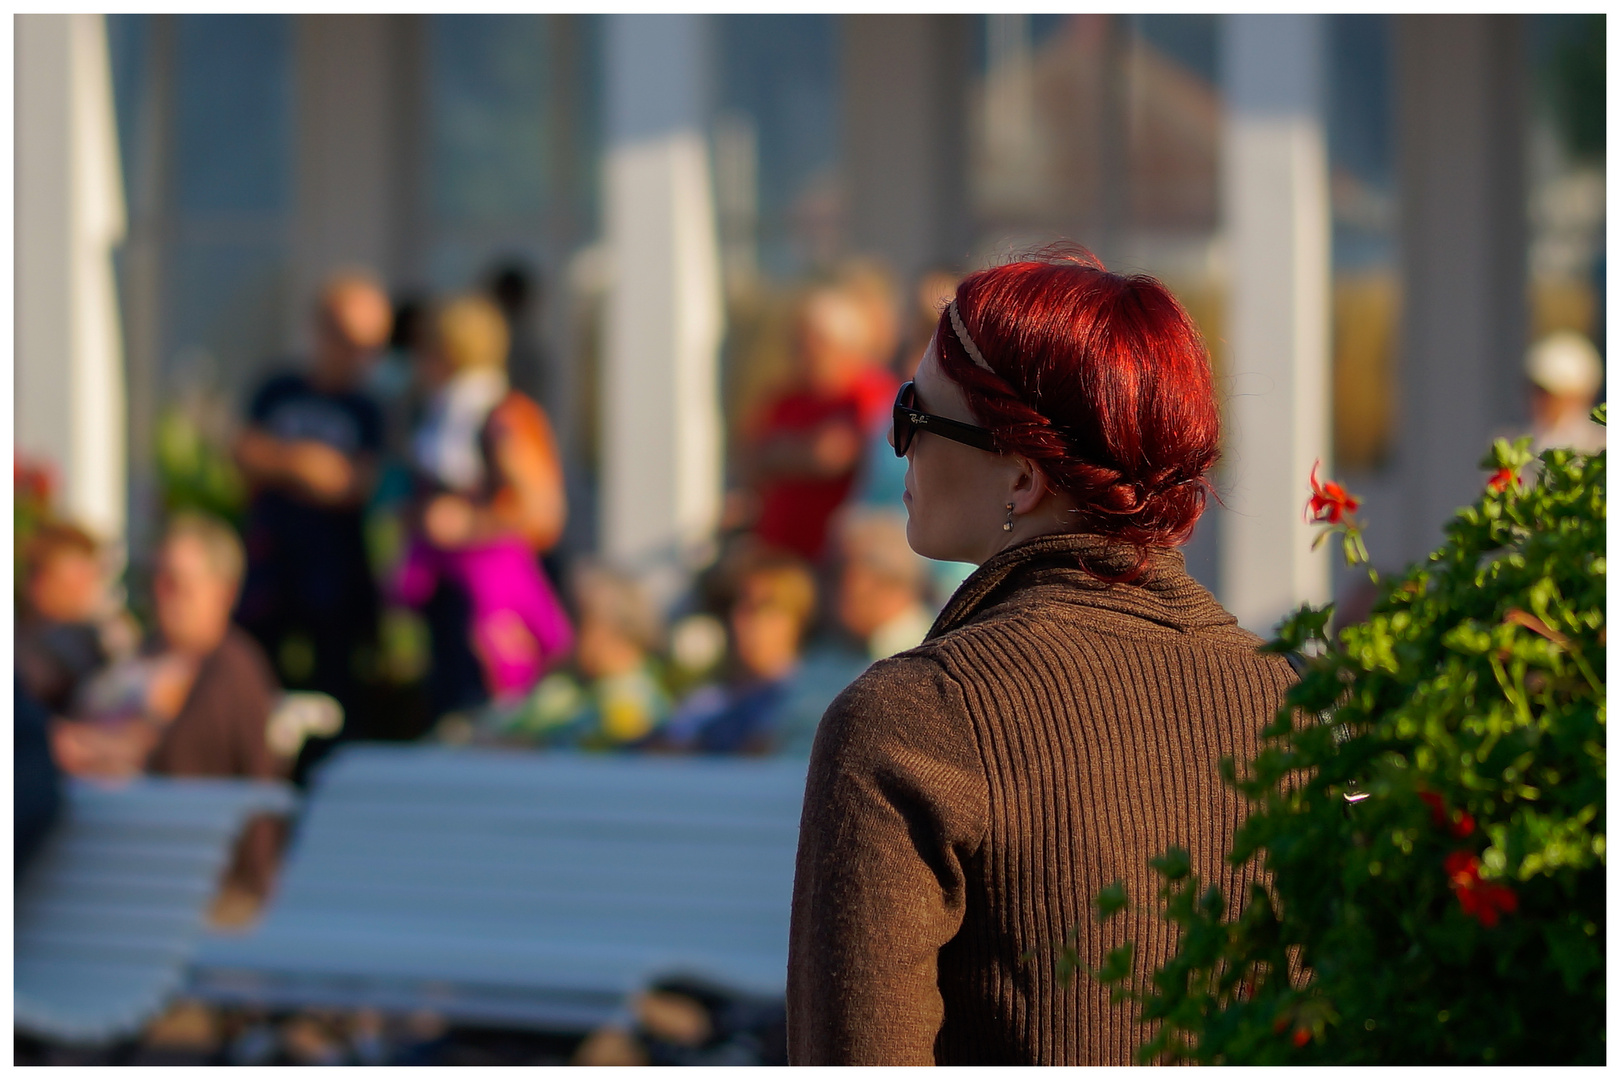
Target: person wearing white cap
<point>1565,373</point>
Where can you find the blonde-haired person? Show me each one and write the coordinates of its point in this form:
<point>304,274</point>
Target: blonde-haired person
<point>491,501</point>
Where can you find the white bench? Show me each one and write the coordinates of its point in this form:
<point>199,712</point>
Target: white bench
<point>521,889</point>
<point>108,914</point>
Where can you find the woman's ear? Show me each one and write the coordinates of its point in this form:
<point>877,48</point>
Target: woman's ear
<point>1028,485</point>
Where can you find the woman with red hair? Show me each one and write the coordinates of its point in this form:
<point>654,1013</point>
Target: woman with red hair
<point>1065,718</point>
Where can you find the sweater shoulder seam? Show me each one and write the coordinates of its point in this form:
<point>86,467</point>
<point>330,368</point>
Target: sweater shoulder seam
<point>927,654</point>
<point>953,640</point>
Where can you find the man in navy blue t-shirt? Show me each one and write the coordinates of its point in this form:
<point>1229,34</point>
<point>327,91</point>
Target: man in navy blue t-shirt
<point>310,452</point>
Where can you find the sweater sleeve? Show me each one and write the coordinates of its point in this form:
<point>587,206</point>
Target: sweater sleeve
<point>895,802</point>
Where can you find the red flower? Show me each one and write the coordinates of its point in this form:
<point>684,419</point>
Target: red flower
<point>1484,900</point>
<point>1464,825</point>
<point>1301,1036</point>
<point>1501,479</point>
<point>1462,870</point>
<point>1329,502</point>
<point>1460,825</point>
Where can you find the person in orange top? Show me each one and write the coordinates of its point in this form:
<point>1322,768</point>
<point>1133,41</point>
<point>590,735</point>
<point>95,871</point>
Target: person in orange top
<point>491,500</point>
<point>808,443</point>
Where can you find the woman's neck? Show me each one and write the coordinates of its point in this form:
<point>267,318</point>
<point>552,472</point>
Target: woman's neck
<point>1054,514</point>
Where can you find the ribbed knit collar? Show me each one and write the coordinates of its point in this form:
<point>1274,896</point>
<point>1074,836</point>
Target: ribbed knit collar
<point>1050,569</point>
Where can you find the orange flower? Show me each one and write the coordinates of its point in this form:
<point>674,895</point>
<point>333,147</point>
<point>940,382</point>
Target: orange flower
<point>1501,479</point>
<point>1329,502</point>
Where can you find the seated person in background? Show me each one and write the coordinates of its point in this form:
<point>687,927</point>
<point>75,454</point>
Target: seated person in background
<point>70,624</point>
<point>198,699</point>
<point>617,698</point>
<point>881,583</point>
<point>878,610</point>
<point>774,600</point>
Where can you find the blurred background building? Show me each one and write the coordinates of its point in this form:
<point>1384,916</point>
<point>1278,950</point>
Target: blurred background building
<point>1372,217</point>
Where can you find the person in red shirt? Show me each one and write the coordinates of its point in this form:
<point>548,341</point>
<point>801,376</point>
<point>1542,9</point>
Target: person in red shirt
<point>808,442</point>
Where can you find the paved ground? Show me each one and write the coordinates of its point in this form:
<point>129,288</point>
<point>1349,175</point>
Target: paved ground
<point>674,1025</point>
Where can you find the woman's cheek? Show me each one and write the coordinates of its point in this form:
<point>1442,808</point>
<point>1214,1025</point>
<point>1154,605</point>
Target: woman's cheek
<point>922,514</point>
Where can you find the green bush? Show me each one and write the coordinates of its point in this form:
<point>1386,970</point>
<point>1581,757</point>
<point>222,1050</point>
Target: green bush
<point>195,474</point>
<point>1428,808</point>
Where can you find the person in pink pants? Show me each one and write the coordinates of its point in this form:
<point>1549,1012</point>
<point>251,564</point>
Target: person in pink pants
<point>519,630</point>
<point>491,500</point>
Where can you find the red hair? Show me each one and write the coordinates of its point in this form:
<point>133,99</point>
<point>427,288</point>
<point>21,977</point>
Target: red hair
<point>1103,381</point>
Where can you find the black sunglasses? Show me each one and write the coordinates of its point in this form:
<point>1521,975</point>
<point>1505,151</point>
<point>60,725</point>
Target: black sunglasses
<point>908,421</point>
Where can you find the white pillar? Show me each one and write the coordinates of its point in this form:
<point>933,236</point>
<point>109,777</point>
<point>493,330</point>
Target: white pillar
<point>660,405</point>
<point>1274,202</point>
<point>69,215</point>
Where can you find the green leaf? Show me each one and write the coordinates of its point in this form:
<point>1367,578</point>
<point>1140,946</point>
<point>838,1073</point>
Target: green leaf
<point>1173,865</point>
<point>1116,965</point>
<point>1111,901</point>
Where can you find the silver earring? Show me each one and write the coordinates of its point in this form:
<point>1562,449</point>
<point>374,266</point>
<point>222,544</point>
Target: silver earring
<point>1008,526</point>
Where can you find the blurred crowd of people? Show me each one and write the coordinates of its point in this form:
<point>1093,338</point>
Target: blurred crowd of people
<point>399,467</point>
<point>814,580</point>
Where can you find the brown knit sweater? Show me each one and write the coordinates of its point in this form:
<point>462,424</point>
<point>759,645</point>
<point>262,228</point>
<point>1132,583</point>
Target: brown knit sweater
<point>969,798</point>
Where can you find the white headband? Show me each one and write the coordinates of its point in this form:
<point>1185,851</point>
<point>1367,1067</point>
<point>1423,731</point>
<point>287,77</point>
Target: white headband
<point>967,342</point>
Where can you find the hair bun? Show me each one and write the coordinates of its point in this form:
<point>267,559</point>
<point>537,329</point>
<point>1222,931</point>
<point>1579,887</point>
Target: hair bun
<point>1102,380</point>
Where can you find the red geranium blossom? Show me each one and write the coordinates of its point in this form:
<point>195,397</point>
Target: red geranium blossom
<point>1484,900</point>
<point>1501,479</point>
<point>1461,825</point>
<point>1329,502</point>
